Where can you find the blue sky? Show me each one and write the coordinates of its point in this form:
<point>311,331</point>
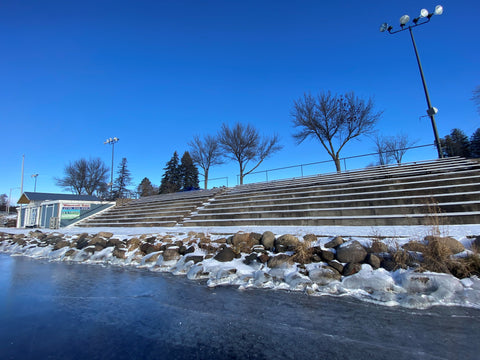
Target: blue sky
<point>156,73</point>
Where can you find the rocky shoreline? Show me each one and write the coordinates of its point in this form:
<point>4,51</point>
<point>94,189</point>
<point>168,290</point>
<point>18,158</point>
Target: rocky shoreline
<point>440,269</point>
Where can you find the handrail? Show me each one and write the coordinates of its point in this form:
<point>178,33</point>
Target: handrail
<point>328,161</point>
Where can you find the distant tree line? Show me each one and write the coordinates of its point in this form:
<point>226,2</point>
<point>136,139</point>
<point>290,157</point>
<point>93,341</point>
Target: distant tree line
<point>457,143</point>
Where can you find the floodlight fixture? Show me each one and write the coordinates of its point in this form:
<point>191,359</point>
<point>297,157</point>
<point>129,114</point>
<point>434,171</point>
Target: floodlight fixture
<point>422,19</point>
<point>404,20</point>
<point>438,10</point>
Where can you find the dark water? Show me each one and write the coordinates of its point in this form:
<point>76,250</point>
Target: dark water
<point>78,311</point>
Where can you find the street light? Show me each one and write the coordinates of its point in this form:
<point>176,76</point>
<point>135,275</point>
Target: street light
<point>422,19</point>
<point>35,176</point>
<point>112,142</point>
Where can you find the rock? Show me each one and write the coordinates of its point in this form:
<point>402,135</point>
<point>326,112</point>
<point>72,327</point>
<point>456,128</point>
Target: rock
<point>258,249</point>
<point>351,268</point>
<point>249,259</point>
<point>115,242</point>
<point>388,264</point>
<point>248,239</point>
<point>61,244</point>
<point>150,239</point>
<point>190,250</point>
<point>324,275</point>
<point>327,255</point>
<point>225,255</point>
<point>133,243</point>
<point>279,260</point>
<point>286,242</point>
<point>453,245</point>
<point>373,260</point>
<point>378,247</point>
<point>310,238</point>
<point>98,242</point>
<point>336,241</point>
<point>316,258</point>
<point>105,234</point>
<point>147,248</point>
<point>220,241</point>
<point>171,254</point>
<point>268,240</point>
<point>351,252</point>
<point>70,252</point>
<point>414,246</point>
<point>119,253</point>
<point>476,244</point>
<point>37,234</point>
<point>263,258</point>
<point>336,265</point>
<point>195,258</point>
<point>82,243</point>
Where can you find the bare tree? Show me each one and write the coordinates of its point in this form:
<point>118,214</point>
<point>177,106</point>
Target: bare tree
<point>334,120</point>
<point>84,176</point>
<point>205,153</point>
<point>398,145</point>
<point>382,148</point>
<point>244,145</point>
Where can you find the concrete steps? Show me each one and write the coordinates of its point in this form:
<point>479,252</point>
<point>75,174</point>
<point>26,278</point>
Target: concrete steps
<point>439,191</point>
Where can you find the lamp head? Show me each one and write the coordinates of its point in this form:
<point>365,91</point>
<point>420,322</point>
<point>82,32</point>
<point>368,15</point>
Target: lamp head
<point>404,20</point>
<point>383,27</point>
<point>438,10</point>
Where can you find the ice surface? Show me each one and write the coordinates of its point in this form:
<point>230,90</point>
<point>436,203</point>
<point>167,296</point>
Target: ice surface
<point>400,288</point>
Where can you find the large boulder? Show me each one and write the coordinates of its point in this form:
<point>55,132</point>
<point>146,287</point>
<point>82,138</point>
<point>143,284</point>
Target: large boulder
<point>414,246</point>
<point>268,240</point>
<point>351,268</point>
<point>105,234</point>
<point>378,247</point>
<point>61,244</point>
<point>336,241</point>
<point>171,254</point>
<point>147,248</point>
<point>279,260</point>
<point>454,246</point>
<point>119,253</point>
<point>286,242</point>
<point>224,255</point>
<point>324,275</point>
<point>351,252</point>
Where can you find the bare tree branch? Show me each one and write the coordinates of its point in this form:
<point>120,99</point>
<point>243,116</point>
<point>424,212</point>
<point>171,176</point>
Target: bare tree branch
<point>333,119</point>
<point>205,153</point>
<point>244,145</point>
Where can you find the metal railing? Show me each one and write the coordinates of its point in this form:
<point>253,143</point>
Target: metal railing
<point>342,160</point>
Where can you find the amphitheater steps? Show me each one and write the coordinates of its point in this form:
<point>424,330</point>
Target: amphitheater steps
<point>423,193</point>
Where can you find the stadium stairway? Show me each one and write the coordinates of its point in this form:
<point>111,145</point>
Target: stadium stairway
<point>443,191</point>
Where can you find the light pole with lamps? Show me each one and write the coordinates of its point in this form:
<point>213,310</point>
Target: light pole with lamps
<point>35,187</point>
<point>422,19</point>
<point>112,142</point>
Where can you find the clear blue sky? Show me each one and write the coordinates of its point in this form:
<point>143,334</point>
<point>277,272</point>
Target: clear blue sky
<point>155,73</point>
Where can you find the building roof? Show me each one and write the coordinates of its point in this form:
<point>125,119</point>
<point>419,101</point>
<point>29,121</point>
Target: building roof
<point>28,197</point>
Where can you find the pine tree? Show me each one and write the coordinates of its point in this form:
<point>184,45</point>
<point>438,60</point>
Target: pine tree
<point>189,173</point>
<point>475,144</point>
<point>456,144</point>
<point>171,179</point>
<point>146,188</point>
<point>123,180</point>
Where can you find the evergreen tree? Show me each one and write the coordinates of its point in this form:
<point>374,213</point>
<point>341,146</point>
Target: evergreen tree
<point>456,144</point>
<point>146,188</point>
<point>123,180</point>
<point>475,144</point>
<point>171,179</point>
<point>189,173</point>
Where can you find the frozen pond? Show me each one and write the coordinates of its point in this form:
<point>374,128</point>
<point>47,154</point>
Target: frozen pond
<point>54,310</point>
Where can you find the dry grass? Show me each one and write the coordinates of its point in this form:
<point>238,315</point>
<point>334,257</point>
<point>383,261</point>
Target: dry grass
<point>438,258</point>
<point>400,257</point>
<point>303,252</point>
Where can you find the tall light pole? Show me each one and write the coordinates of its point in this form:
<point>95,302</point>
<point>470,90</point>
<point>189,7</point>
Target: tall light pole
<point>422,19</point>
<point>112,142</point>
<point>35,187</point>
